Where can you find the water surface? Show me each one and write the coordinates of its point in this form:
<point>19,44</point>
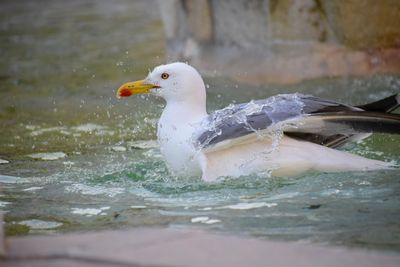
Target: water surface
<point>81,160</point>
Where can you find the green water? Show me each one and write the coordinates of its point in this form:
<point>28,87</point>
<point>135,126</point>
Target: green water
<point>61,62</point>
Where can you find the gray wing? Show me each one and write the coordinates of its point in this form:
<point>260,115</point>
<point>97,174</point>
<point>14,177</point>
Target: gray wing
<point>315,119</point>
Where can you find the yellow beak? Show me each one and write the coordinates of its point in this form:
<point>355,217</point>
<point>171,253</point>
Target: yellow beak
<point>134,88</point>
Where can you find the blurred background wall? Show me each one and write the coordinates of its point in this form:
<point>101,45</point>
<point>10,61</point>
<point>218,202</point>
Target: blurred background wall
<point>284,41</point>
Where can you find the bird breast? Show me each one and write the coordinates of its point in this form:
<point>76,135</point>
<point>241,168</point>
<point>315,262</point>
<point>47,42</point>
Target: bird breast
<point>176,145</point>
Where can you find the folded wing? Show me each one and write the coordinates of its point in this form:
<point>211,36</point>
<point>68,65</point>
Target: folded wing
<point>303,117</point>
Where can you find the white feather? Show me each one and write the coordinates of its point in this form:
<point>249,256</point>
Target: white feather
<point>287,158</point>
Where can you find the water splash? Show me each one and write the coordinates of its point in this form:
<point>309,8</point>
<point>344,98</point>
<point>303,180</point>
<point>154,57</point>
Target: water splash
<point>261,117</point>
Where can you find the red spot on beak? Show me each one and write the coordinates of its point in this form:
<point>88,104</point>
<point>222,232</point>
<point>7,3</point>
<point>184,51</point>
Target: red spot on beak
<point>125,92</point>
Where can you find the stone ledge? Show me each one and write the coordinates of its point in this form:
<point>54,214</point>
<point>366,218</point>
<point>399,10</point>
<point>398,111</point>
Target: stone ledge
<point>2,248</point>
<point>171,247</point>
<point>290,64</point>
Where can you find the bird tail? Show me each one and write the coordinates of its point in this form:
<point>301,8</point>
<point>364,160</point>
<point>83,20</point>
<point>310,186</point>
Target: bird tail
<point>387,105</point>
<point>378,116</point>
<point>333,129</point>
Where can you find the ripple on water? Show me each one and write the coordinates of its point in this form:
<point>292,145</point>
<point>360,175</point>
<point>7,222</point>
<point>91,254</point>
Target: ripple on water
<point>143,144</point>
<point>118,148</point>
<point>4,203</point>
<point>204,219</point>
<point>94,190</point>
<point>138,207</point>
<point>48,156</point>
<point>89,212</point>
<point>33,188</point>
<point>40,224</point>
<point>7,179</point>
<point>89,127</point>
<point>248,206</point>
<point>45,130</point>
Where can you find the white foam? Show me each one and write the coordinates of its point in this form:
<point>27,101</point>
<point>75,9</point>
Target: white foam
<point>205,220</point>
<point>212,221</point>
<point>118,148</point>
<point>48,156</point>
<point>206,208</point>
<point>87,211</point>
<point>31,127</point>
<point>4,203</point>
<point>34,188</point>
<point>248,206</point>
<point>199,219</point>
<point>143,144</point>
<point>46,130</point>
<point>88,127</point>
<point>3,161</point>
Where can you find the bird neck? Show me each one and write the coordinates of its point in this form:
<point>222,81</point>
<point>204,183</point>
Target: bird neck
<point>185,111</point>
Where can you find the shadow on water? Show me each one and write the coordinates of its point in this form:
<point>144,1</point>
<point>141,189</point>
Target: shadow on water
<point>82,160</point>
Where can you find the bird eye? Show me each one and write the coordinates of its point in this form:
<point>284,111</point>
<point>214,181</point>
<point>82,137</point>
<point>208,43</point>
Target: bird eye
<point>164,76</point>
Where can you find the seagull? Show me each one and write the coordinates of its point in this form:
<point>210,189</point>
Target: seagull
<point>283,135</point>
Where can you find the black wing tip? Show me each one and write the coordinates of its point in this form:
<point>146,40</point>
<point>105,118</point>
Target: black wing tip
<point>388,104</point>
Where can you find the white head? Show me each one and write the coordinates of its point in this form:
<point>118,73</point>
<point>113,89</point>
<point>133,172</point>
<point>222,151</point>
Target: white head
<point>175,82</point>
